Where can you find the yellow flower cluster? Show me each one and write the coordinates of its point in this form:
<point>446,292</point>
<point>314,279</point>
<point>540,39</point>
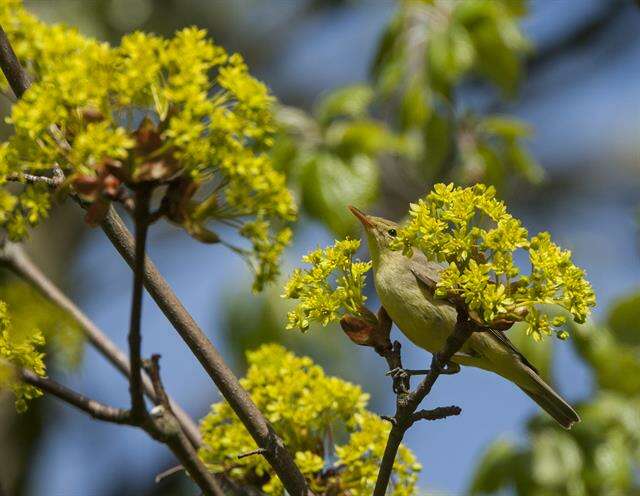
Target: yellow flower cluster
<point>471,230</point>
<point>19,350</point>
<point>338,444</point>
<point>332,284</point>
<point>177,112</point>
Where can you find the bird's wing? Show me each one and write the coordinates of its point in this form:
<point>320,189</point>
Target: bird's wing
<point>504,340</point>
<point>427,273</point>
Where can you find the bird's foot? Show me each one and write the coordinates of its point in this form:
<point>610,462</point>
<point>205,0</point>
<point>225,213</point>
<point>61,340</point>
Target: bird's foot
<point>401,378</point>
<point>400,373</point>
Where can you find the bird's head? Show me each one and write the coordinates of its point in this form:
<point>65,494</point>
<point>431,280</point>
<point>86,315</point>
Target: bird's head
<point>380,232</point>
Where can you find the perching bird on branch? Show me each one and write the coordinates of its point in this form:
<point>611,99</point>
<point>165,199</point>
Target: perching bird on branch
<point>405,288</point>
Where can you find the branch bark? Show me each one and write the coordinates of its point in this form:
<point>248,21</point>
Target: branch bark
<point>257,425</point>
<point>94,408</point>
<point>16,76</point>
<point>138,408</point>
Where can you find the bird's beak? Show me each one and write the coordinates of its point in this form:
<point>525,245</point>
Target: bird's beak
<point>362,217</point>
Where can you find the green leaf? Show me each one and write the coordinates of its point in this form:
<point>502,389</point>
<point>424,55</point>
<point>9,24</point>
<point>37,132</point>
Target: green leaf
<point>330,184</point>
<point>516,8</point>
<point>624,319</point>
<point>365,137</point>
<point>611,411</point>
<point>505,127</point>
<point>495,60</point>
<point>386,53</point>
<point>523,162</point>
<point>415,107</point>
<point>450,54</point>
<point>296,122</point>
<point>496,468</point>
<point>613,460</point>
<point>556,458</point>
<point>496,38</point>
<point>437,138</point>
<point>616,368</point>
<point>350,101</point>
<point>489,165</point>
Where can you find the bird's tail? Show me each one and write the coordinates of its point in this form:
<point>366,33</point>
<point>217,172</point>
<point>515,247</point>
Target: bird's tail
<point>550,401</point>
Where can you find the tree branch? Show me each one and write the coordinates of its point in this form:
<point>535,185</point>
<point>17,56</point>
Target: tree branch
<point>18,78</point>
<point>407,403</point>
<point>153,368</point>
<point>141,213</point>
<point>375,331</point>
<point>439,413</point>
<point>94,408</point>
<point>258,427</point>
<point>170,432</point>
<point>18,261</point>
<point>209,357</point>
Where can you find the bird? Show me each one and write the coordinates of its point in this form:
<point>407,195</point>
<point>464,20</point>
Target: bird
<point>403,286</point>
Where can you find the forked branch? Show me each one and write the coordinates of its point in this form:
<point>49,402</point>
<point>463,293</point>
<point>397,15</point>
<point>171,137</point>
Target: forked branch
<point>16,260</point>
<point>161,425</point>
<point>375,332</point>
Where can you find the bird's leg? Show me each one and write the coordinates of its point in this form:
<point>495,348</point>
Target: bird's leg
<point>450,368</point>
<point>447,368</point>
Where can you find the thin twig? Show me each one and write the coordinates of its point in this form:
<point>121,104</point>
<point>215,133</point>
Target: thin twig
<point>153,368</point>
<point>259,451</point>
<point>16,260</point>
<point>135,337</point>
<point>168,473</point>
<point>53,182</point>
<point>163,426</point>
<point>439,413</point>
<point>94,408</point>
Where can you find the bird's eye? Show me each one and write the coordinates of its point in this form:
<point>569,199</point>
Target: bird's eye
<point>392,232</point>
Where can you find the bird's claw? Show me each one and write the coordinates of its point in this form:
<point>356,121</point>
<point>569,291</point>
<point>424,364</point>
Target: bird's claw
<point>401,378</point>
<point>400,373</point>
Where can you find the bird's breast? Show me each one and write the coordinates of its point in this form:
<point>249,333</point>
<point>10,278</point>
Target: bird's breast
<point>426,322</point>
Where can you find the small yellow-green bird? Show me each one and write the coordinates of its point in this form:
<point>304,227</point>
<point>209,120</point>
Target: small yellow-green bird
<point>402,286</point>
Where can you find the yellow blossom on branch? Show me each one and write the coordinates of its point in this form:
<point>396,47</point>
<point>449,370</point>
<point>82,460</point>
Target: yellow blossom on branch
<point>179,114</point>
<point>471,231</point>
<point>338,443</point>
<point>331,286</point>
